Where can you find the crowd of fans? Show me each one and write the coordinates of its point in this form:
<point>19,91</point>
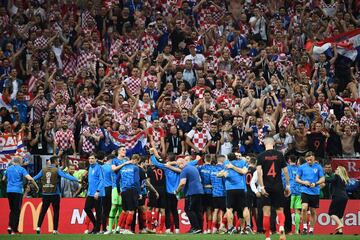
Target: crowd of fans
<point>199,77</point>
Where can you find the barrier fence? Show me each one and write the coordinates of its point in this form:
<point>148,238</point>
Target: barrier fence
<point>72,217</point>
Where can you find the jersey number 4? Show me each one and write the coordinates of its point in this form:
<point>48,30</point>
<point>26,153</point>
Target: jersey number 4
<point>272,171</point>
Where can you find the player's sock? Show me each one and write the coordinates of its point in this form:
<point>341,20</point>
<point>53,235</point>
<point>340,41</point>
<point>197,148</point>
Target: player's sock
<point>236,222</point>
<point>305,225</point>
<point>297,222</point>
<point>122,219</point>
<point>281,218</point>
<point>224,220</point>
<point>149,219</point>
<point>266,225</point>
<point>172,228</point>
<point>214,225</point>
<point>311,229</point>
<point>142,220</point>
<point>119,210</point>
<point>156,216</point>
<point>87,222</point>
<point>209,225</point>
<point>112,217</point>
<point>129,220</point>
<point>162,222</point>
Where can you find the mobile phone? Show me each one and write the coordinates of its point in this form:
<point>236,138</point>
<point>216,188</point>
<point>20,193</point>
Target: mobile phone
<point>332,111</point>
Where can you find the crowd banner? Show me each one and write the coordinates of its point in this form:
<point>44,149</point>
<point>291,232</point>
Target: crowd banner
<point>72,217</point>
<point>352,165</point>
<point>10,145</point>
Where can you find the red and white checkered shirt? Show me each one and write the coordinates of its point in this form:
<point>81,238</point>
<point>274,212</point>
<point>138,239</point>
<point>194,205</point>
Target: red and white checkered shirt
<point>39,106</point>
<point>83,102</point>
<point>244,65</point>
<point>69,65</point>
<point>217,92</point>
<point>60,110</point>
<point>89,143</point>
<point>211,11</point>
<point>198,92</point>
<point>119,117</point>
<point>41,42</point>
<point>64,93</point>
<point>88,22</point>
<point>114,48</point>
<point>170,120</point>
<point>63,139</point>
<point>129,45</point>
<point>149,41</point>
<point>348,121</point>
<point>152,78</point>
<point>134,85</point>
<point>156,134</point>
<point>145,110</point>
<point>199,138</point>
<point>85,59</point>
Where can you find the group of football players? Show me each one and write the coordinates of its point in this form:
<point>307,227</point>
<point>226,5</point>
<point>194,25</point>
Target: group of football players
<point>225,192</point>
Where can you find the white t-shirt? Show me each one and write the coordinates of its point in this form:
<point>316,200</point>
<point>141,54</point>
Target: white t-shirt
<point>198,59</point>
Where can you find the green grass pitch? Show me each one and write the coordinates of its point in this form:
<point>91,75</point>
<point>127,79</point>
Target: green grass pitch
<point>171,237</point>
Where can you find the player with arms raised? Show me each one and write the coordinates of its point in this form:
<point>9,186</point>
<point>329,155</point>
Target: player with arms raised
<point>269,166</point>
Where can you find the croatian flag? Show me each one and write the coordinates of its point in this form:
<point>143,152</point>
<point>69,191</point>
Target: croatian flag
<point>10,145</point>
<point>347,45</point>
<point>134,144</point>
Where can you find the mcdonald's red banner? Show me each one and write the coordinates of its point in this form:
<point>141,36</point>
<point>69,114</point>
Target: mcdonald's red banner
<point>72,217</point>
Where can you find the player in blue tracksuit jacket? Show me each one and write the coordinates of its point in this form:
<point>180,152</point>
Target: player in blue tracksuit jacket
<point>106,203</point>
<point>310,175</point>
<point>205,174</point>
<point>95,193</point>
<point>51,197</point>
<point>218,194</point>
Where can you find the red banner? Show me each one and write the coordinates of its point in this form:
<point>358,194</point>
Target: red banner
<point>72,217</point>
<point>352,165</point>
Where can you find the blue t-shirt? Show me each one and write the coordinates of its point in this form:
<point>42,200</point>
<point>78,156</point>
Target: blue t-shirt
<point>235,180</point>
<point>172,178</point>
<point>193,184</point>
<point>22,107</point>
<point>205,174</point>
<point>96,180</point>
<point>129,178</point>
<point>186,126</point>
<point>107,175</point>
<point>114,175</point>
<point>218,184</point>
<point>15,175</point>
<point>312,174</point>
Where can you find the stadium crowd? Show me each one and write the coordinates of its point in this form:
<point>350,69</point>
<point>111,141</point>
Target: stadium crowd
<point>208,79</point>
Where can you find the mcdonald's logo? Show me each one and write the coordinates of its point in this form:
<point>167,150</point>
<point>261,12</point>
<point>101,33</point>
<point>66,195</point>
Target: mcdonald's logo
<point>35,212</point>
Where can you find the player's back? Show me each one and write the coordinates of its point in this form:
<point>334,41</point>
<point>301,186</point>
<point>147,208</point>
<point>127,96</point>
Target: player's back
<point>272,162</point>
<point>157,177</point>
